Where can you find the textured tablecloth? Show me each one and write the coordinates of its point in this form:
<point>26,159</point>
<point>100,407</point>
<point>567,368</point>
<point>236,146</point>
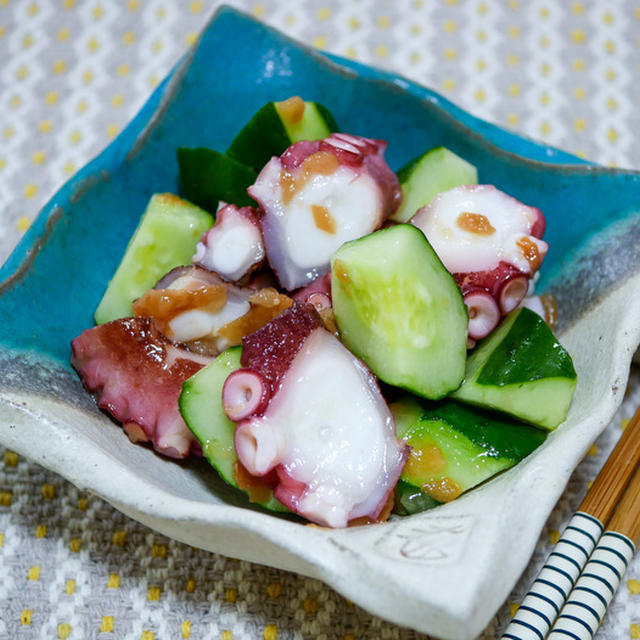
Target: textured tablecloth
<point>72,73</point>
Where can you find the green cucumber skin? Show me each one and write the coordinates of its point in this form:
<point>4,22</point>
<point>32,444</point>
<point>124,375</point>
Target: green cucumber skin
<point>166,237</point>
<point>208,177</point>
<point>263,137</point>
<point>426,176</point>
<point>497,436</point>
<point>523,355</point>
<point>400,311</point>
<point>266,135</point>
<point>476,445</point>
<point>200,405</point>
<point>534,381</point>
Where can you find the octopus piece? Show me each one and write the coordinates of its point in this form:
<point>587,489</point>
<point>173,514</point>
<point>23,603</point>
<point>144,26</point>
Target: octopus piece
<point>137,375</point>
<point>492,245</point>
<point>195,307</point>
<point>233,247</point>
<point>310,410</point>
<point>489,295</point>
<point>318,195</point>
<point>318,293</point>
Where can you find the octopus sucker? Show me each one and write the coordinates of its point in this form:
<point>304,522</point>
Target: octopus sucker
<point>318,195</point>
<point>244,393</point>
<point>511,293</point>
<point>326,429</point>
<point>492,245</point>
<point>484,314</point>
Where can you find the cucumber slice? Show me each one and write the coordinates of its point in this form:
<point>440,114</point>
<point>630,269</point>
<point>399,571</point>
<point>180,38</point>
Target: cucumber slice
<point>166,237</point>
<point>207,177</point>
<point>455,448</point>
<point>425,177</point>
<point>522,370</point>
<point>398,309</point>
<point>277,126</point>
<point>201,407</point>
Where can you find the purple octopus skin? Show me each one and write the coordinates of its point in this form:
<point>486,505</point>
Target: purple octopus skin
<point>137,375</point>
<point>326,429</point>
<point>318,195</point>
<point>233,247</point>
<point>492,245</point>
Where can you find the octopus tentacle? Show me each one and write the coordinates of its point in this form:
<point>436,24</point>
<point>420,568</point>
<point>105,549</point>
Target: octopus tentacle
<point>137,375</point>
<point>233,247</point>
<point>321,285</point>
<point>511,293</point>
<point>484,313</point>
<point>318,195</point>
<point>326,430</point>
<point>492,245</point>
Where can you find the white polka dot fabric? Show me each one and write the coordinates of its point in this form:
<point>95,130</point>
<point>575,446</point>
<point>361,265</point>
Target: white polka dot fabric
<point>72,74</point>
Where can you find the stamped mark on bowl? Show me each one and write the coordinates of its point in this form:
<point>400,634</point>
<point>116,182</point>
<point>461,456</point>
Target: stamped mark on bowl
<point>432,541</point>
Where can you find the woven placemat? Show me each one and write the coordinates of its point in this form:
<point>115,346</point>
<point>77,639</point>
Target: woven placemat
<point>73,73</point>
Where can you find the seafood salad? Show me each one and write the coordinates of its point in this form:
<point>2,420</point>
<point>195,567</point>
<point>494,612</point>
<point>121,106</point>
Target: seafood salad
<point>337,339</point>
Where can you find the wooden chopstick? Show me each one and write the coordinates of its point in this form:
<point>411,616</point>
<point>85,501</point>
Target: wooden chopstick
<point>550,590</point>
<point>584,610</point>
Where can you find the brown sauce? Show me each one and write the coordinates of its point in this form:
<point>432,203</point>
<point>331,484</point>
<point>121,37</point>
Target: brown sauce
<point>171,199</point>
<point>319,163</point>
<point>266,304</point>
<point>550,307</point>
<point>425,461</point>
<point>443,490</point>
<point>338,270</point>
<point>292,109</point>
<point>530,252</point>
<point>165,304</point>
<point>475,223</point>
<point>323,219</point>
<point>256,488</point>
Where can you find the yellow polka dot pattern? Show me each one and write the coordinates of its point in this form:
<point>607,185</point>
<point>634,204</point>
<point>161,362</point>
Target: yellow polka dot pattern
<point>107,624</point>
<point>270,632</point>
<point>77,72</point>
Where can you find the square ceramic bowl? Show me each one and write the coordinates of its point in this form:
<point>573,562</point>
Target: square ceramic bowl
<point>444,572</point>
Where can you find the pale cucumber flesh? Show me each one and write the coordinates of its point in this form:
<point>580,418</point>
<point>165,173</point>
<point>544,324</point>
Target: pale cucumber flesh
<point>399,310</point>
<point>166,237</point>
